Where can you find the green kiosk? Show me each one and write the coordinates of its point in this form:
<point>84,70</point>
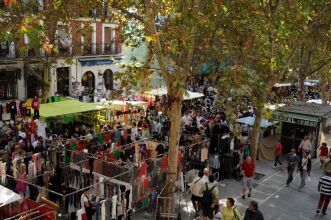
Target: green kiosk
<point>300,119</point>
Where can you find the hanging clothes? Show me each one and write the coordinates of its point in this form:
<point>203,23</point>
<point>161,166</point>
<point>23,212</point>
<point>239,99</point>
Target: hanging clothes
<point>143,169</point>
<point>113,209</point>
<point>164,163</point>
<point>3,172</point>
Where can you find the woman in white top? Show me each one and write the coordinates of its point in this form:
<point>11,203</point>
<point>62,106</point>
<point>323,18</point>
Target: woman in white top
<point>86,204</point>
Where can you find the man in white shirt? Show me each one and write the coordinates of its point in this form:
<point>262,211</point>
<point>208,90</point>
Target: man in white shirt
<point>195,187</point>
<point>206,175</point>
<point>186,120</point>
<point>305,145</point>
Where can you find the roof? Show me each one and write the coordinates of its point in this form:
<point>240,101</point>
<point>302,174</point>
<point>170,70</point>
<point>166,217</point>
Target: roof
<point>65,107</point>
<point>250,121</point>
<point>309,109</point>
<point>8,196</point>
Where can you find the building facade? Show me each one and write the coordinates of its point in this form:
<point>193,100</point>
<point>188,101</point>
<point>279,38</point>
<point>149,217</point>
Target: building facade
<point>88,50</point>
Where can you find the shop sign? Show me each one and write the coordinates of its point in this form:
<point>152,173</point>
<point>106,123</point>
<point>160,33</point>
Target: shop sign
<point>284,118</point>
<point>96,62</point>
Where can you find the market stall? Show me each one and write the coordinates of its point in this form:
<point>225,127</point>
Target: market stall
<point>300,119</point>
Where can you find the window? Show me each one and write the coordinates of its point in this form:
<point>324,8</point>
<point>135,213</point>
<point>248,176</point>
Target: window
<point>108,78</point>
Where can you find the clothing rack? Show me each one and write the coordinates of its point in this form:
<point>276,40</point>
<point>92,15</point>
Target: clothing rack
<point>26,212</point>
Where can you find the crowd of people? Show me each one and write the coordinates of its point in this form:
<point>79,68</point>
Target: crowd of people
<point>22,137</point>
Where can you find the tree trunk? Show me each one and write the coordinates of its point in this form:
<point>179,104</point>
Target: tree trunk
<point>302,88</point>
<point>175,117</point>
<point>175,107</point>
<point>324,92</point>
<point>256,133</point>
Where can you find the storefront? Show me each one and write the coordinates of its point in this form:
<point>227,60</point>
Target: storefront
<point>300,119</point>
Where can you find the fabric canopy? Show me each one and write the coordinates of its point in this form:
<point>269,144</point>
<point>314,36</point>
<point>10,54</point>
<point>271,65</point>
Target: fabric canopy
<point>66,107</point>
<point>192,95</point>
<point>118,104</point>
<point>250,121</point>
<point>282,84</point>
<point>163,91</point>
<point>157,92</point>
<point>317,101</point>
<point>7,196</point>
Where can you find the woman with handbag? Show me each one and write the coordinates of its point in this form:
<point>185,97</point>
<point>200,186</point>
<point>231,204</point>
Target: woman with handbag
<point>86,205</point>
<point>229,212</point>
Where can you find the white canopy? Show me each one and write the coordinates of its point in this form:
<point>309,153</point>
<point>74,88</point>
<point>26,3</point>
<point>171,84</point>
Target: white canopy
<point>8,196</point>
<point>250,121</point>
<point>282,84</point>
<point>272,106</point>
<point>192,95</point>
<point>157,92</point>
<point>163,91</point>
<point>317,101</point>
<point>118,104</point>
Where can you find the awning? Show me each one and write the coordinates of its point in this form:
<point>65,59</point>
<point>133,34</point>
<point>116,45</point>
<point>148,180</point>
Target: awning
<point>163,91</point>
<point>96,61</point>
<point>250,121</point>
<point>118,104</point>
<point>192,95</point>
<point>8,196</point>
<point>66,107</point>
<point>282,84</point>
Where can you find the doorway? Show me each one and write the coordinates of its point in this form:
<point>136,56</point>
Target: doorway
<point>108,78</point>
<point>62,76</point>
<point>88,81</point>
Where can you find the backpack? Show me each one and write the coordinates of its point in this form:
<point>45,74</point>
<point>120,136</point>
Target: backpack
<point>235,214</point>
<point>207,196</point>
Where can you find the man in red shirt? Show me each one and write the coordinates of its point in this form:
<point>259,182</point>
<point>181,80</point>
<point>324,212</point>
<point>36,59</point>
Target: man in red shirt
<point>248,169</point>
<point>278,153</point>
<point>324,152</point>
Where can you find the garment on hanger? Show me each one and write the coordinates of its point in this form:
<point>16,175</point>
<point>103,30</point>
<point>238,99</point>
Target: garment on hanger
<point>103,210</point>
<point>204,154</point>
<point>113,209</point>
<point>3,172</point>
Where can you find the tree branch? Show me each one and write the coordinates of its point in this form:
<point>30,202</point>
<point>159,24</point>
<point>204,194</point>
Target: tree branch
<point>320,66</point>
<point>130,14</point>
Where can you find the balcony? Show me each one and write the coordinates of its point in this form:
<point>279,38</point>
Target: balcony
<point>99,49</point>
<point>7,51</point>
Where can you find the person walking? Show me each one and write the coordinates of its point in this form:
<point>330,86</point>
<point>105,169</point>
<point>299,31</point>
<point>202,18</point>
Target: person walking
<point>229,212</point>
<point>305,146</point>
<point>253,212</point>
<point>278,153</point>
<point>195,187</point>
<point>209,193</point>
<point>304,168</point>
<point>327,165</point>
<point>292,160</point>
<point>324,187</point>
<point>324,153</point>
<point>248,171</point>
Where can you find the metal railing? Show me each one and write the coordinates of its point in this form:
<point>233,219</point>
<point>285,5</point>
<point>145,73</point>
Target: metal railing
<point>8,51</point>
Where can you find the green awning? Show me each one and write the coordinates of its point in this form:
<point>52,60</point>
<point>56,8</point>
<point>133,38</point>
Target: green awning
<point>65,107</point>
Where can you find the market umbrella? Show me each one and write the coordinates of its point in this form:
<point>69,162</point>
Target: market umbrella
<point>163,91</point>
<point>250,121</point>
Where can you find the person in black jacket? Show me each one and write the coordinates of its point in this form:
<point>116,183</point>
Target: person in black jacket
<point>304,168</point>
<point>253,212</point>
